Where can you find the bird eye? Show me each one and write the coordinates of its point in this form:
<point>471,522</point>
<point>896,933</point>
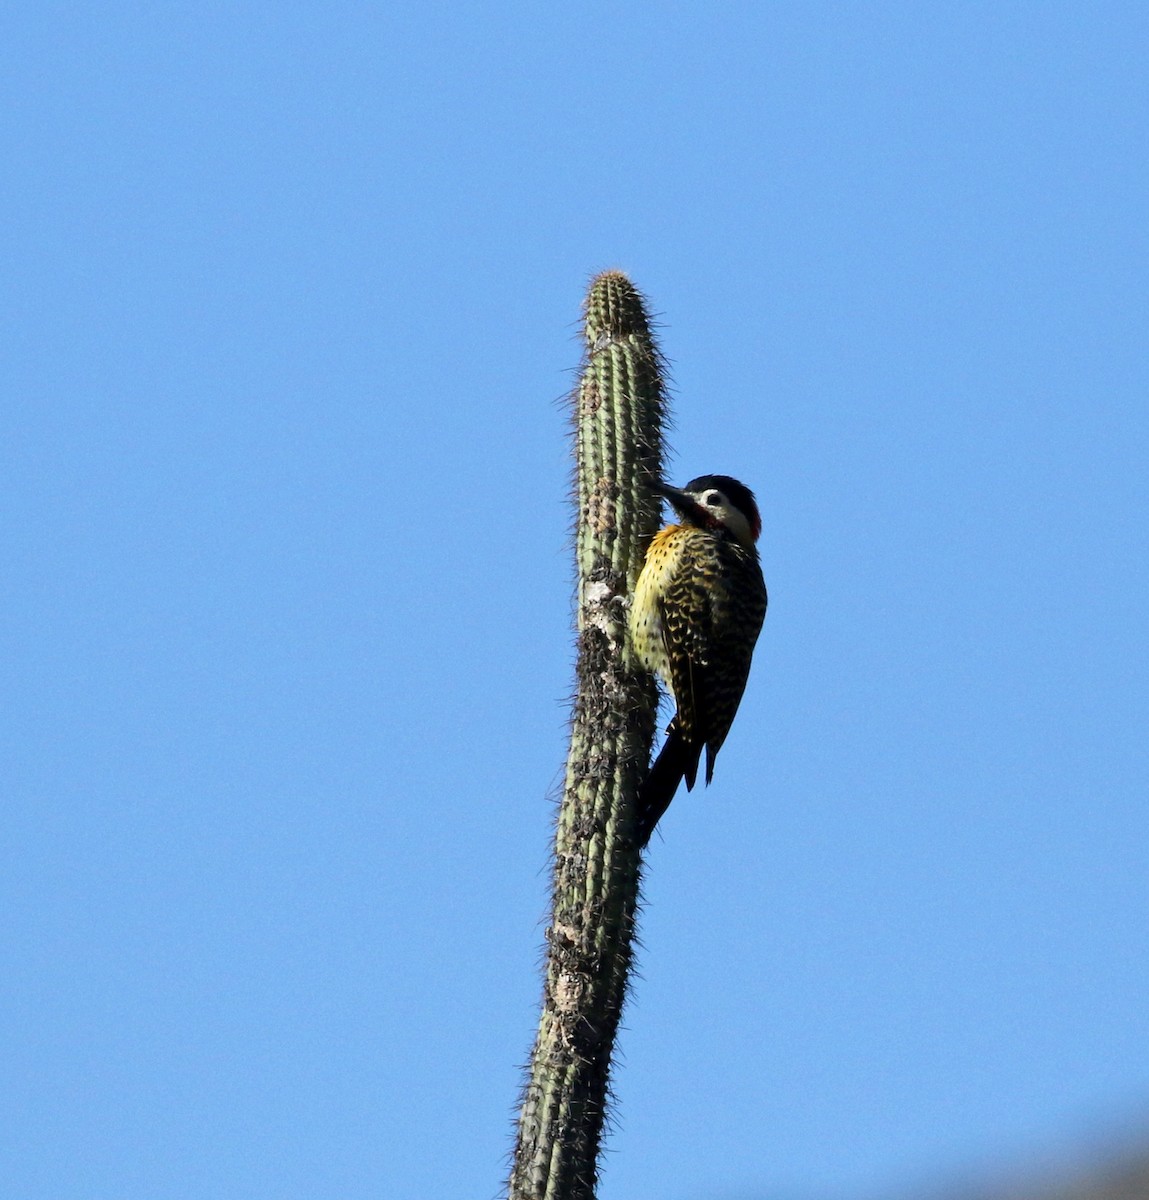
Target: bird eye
<point>714,498</point>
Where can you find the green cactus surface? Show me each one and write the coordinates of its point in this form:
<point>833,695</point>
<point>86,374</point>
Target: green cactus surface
<point>619,418</point>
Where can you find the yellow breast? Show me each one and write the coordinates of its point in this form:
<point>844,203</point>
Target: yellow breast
<point>647,637</point>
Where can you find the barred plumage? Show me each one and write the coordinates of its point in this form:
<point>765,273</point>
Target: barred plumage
<point>698,607</point>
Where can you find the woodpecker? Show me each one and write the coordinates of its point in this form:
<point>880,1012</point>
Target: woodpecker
<point>698,605</point>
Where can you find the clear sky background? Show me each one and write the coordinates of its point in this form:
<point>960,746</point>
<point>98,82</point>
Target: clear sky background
<point>291,299</point>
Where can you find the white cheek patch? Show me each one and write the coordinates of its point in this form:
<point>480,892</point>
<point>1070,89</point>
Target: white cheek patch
<point>734,520</point>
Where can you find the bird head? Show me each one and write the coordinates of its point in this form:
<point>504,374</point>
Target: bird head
<point>717,502</point>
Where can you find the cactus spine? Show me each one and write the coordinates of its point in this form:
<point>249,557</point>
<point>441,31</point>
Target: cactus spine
<point>619,417</point>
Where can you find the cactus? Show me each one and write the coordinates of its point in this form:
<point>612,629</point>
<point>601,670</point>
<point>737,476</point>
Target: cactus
<point>619,417</point>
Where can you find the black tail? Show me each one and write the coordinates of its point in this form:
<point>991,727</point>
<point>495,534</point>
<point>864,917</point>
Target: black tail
<point>677,760</point>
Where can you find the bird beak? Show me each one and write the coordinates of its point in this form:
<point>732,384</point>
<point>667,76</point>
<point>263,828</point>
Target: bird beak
<point>682,502</point>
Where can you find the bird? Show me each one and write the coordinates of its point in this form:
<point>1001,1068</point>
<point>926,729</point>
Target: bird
<point>697,609</point>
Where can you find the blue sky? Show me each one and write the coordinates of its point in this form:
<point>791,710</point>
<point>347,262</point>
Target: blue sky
<point>291,299</point>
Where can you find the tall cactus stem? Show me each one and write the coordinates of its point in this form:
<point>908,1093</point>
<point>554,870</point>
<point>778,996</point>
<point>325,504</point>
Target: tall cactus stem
<point>620,406</point>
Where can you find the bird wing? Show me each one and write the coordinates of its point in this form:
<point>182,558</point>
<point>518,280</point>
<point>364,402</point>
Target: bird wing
<point>710,621</point>
<point>687,631</point>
